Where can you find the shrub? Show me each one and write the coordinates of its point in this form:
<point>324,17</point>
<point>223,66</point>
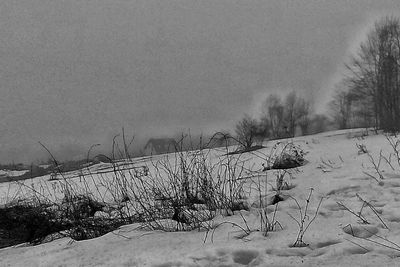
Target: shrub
<point>32,221</point>
<point>29,222</point>
<point>285,156</point>
<point>246,131</point>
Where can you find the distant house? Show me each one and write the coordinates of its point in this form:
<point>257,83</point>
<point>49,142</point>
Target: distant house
<point>160,146</point>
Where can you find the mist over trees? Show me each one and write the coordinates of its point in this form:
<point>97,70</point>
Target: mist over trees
<point>370,93</point>
<point>280,118</point>
<point>287,115</point>
<point>272,110</point>
<point>304,113</point>
<point>340,107</point>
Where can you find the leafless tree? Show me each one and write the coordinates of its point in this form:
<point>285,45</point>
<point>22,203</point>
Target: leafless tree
<point>290,113</point>
<point>246,130</point>
<point>274,110</point>
<point>340,108</point>
<point>282,119</point>
<point>374,73</point>
<point>303,112</point>
<point>297,113</point>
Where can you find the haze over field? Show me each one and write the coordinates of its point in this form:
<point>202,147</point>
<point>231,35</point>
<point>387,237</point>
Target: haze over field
<point>72,73</point>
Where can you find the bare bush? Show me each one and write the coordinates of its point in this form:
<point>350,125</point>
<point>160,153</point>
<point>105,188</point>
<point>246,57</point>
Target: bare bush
<point>246,130</point>
<point>285,156</point>
<point>304,220</point>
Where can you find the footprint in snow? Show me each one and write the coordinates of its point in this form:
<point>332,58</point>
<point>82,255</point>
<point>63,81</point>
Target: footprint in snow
<point>361,231</point>
<point>244,257</point>
<point>327,243</point>
<point>345,190</point>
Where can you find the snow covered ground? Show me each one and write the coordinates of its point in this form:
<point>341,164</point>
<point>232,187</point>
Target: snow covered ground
<point>334,169</point>
<point>9,173</point>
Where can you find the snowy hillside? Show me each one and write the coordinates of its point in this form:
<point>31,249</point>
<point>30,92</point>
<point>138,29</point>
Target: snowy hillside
<point>357,223</point>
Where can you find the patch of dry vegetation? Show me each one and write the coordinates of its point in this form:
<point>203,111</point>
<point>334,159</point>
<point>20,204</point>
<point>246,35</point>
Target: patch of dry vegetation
<point>181,191</point>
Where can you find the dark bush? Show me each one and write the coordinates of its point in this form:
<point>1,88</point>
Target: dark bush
<point>32,222</point>
<point>288,161</point>
<point>291,156</point>
<point>28,222</point>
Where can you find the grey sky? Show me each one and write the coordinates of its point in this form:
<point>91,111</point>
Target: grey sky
<point>72,73</point>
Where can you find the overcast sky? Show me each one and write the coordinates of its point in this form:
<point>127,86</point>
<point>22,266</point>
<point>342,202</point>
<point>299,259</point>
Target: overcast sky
<point>72,73</point>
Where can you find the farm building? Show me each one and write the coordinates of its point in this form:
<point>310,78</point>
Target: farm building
<point>157,146</point>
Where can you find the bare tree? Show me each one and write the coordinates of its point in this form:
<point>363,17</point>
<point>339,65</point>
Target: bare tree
<point>282,119</point>
<point>374,73</point>
<point>340,108</point>
<point>274,110</point>
<point>290,113</point>
<point>303,111</point>
<point>246,130</point>
<point>363,114</point>
<point>297,113</point>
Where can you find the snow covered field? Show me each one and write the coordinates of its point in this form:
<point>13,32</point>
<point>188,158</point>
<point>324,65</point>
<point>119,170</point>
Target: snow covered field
<point>334,169</point>
<point>13,173</point>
